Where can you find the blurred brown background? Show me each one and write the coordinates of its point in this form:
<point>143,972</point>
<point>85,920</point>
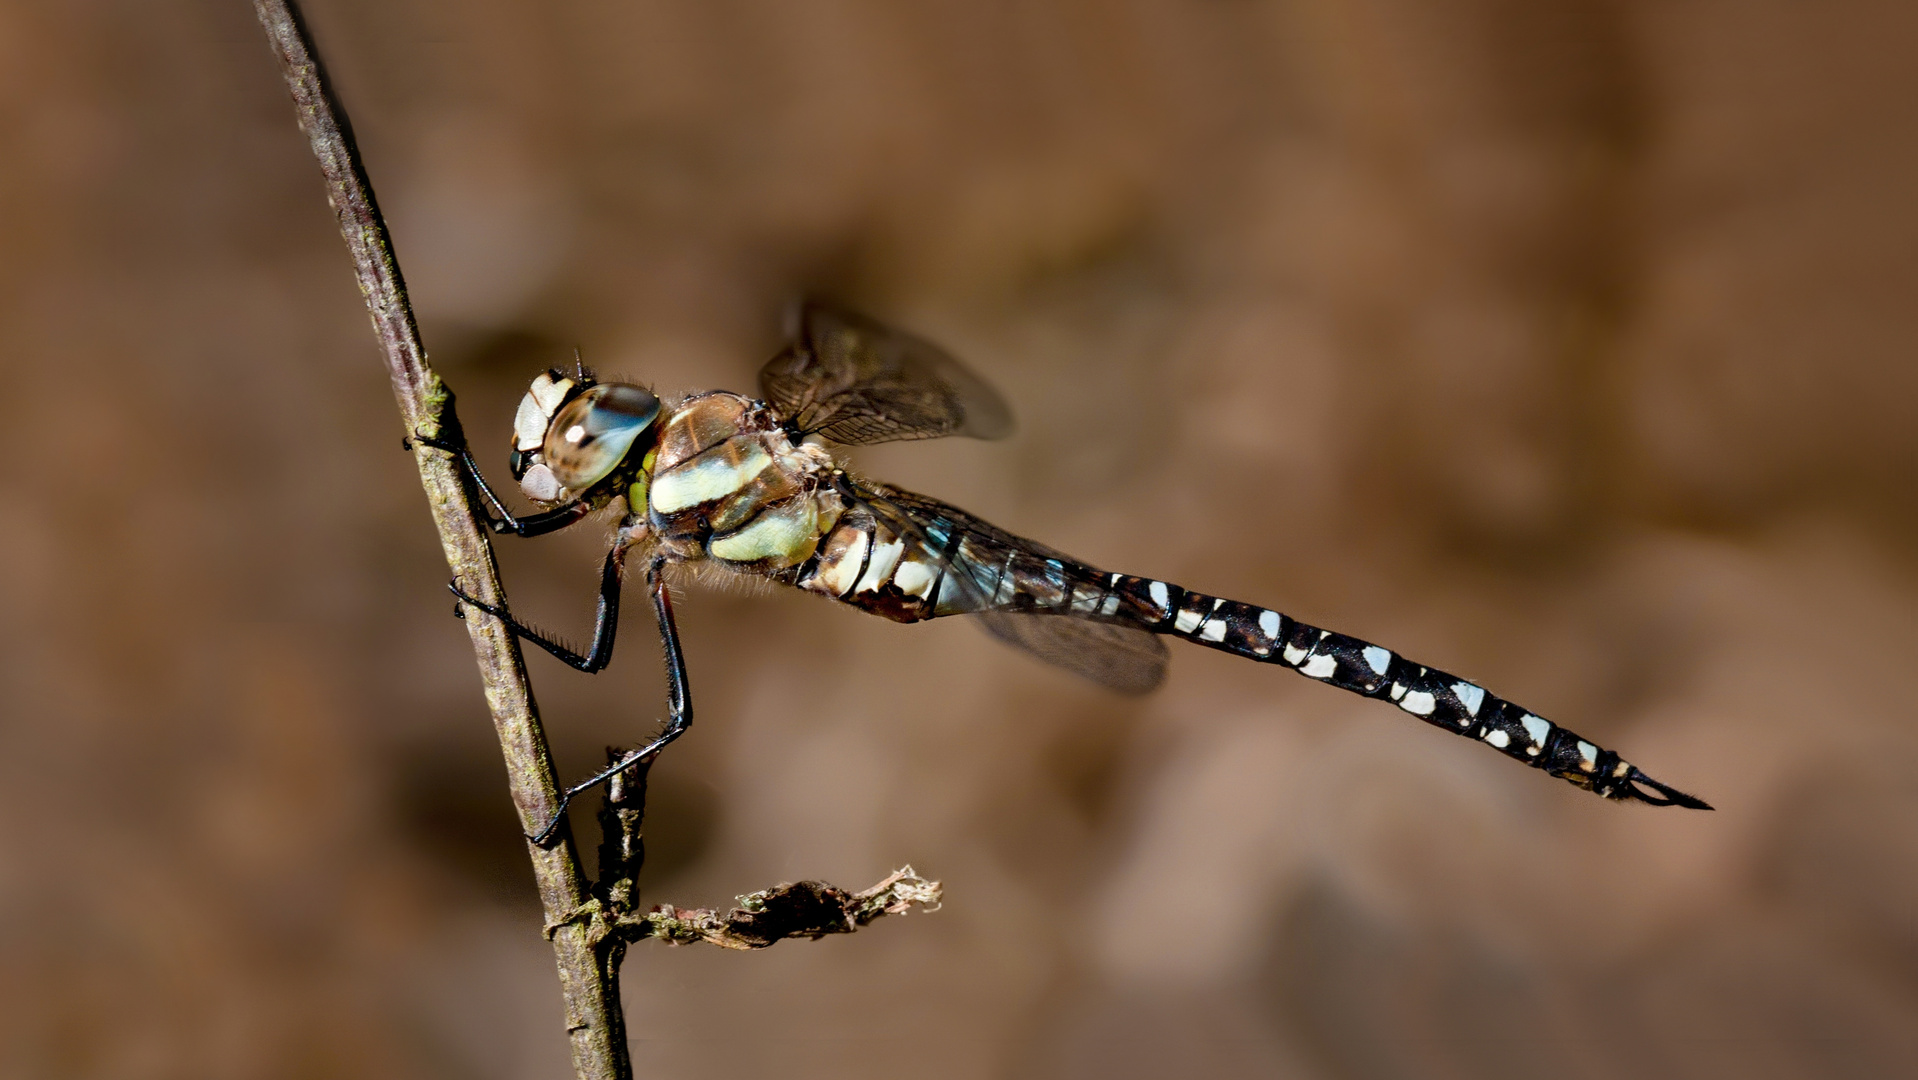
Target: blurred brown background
<point>1568,345</point>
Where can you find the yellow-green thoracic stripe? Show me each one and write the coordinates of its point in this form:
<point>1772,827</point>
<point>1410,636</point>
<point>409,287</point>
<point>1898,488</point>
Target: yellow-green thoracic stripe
<point>704,479</point>
<point>785,534</point>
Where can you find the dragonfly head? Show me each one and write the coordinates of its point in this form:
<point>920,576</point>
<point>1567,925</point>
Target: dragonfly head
<point>572,432</point>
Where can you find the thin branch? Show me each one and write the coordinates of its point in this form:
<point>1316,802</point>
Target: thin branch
<point>622,846</point>
<point>593,1019</point>
<point>808,909</point>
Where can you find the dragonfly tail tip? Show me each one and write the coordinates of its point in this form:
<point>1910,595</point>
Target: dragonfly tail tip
<point>1667,795</point>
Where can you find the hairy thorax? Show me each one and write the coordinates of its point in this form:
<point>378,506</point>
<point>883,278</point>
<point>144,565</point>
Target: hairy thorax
<point>727,483</point>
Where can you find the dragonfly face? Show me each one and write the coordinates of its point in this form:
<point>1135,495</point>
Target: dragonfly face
<point>571,433</point>
<point>735,482</point>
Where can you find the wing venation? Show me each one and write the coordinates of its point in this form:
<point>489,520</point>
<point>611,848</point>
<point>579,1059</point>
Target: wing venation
<point>856,381</point>
<point>998,579</point>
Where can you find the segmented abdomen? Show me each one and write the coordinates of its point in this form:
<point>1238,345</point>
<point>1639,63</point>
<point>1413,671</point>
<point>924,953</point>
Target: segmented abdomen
<point>1436,697</point>
<point>910,569</point>
<point>933,561</point>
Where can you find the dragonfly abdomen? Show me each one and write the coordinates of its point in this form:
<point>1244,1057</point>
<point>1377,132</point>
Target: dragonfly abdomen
<point>910,558</point>
<point>1441,699</point>
<point>862,562</point>
<point>924,569</point>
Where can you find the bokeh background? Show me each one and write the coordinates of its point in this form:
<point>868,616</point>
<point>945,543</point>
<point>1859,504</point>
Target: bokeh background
<point>1567,345</point>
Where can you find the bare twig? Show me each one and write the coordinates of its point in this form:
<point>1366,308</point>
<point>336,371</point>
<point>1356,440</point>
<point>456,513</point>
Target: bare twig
<point>589,924</point>
<point>622,847</point>
<point>808,909</point>
<point>593,1018</point>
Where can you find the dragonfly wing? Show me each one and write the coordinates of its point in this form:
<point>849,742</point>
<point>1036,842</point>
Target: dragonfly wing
<point>1002,580</point>
<point>855,381</point>
<point>1119,658</point>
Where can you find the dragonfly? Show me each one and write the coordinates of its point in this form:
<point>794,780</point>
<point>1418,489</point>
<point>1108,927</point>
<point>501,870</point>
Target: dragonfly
<point>751,486</point>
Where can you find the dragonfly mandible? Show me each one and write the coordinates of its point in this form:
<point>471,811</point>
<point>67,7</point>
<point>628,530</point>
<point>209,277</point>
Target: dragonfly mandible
<point>750,486</point>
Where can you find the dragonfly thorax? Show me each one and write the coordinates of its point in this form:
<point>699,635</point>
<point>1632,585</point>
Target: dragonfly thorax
<point>728,483</point>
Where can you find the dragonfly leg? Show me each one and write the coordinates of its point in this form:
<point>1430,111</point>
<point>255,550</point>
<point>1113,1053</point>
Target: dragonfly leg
<point>605,618</point>
<point>679,703</point>
<point>498,517</point>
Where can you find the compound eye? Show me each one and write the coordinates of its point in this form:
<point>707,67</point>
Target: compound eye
<point>592,433</point>
<point>536,409</point>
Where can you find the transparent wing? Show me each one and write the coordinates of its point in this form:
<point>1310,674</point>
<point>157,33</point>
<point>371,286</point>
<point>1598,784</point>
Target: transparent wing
<point>855,381</point>
<point>1120,658</point>
<point>1020,591</point>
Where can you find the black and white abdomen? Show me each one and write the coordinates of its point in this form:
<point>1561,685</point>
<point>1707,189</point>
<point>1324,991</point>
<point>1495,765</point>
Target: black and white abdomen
<point>930,560</point>
<point>911,569</point>
<point>863,562</point>
<point>1443,700</point>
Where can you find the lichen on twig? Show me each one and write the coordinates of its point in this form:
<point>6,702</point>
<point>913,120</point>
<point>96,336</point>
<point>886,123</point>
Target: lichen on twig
<point>808,909</point>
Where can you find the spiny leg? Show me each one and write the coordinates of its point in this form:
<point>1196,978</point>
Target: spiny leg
<point>605,618</point>
<point>679,703</point>
<point>498,517</point>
